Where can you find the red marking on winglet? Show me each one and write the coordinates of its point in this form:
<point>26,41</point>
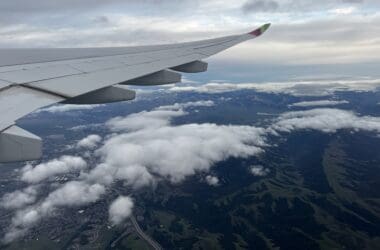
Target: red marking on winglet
<point>260,31</point>
<point>256,32</point>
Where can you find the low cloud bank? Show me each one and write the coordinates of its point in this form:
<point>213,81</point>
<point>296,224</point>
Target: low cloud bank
<point>318,103</point>
<point>326,120</point>
<point>60,108</point>
<point>295,88</point>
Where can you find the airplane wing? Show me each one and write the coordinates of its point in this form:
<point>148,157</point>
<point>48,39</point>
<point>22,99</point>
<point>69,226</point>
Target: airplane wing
<point>34,78</point>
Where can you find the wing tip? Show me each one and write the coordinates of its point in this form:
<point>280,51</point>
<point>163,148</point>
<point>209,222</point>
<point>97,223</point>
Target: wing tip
<point>260,31</point>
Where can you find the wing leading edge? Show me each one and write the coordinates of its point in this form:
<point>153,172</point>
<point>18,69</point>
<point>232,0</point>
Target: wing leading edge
<point>31,79</point>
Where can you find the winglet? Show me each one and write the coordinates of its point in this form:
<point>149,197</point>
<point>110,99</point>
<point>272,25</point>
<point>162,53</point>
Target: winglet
<point>261,30</point>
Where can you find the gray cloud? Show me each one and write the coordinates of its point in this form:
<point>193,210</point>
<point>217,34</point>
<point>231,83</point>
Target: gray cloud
<point>260,6</point>
<point>353,1</point>
<point>58,13</point>
<point>26,6</point>
<point>292,6</point>
<point>341,33</point>
<point>330,30</point>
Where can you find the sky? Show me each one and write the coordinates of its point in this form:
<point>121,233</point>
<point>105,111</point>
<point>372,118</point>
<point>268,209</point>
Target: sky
<point>338,33</point>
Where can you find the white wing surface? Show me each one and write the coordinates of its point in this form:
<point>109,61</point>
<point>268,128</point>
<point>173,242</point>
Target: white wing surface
<point>34,78</point>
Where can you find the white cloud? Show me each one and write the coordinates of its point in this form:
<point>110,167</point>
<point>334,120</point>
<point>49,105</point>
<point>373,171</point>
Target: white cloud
<point>175,152</point>
<point>296,88</point>
<point>147,148</point>
<point>87,126</point>
<point>64,164</point>
<point>326,120</point>
<point>120,209</point>
<point>318,103</point>
<point>178,106</point>
<point>144,120</point>
<point>74,193</point>
<point>60,108</point>
<point>156,118</point>
<point>212,180</point>
<point>259,171</point>
<point>89,142</point>
<point>19,198</point>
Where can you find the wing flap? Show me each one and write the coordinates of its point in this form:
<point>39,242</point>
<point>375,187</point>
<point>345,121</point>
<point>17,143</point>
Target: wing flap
<point>17,144</point>
<point>18,101</point>
<point>107,95</point>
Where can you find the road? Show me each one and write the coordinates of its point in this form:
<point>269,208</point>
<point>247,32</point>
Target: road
<point>145,237</point>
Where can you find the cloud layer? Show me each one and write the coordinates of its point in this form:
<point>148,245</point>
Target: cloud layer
<point>145,148</point>
<point>296,88</point>
<point>296,6</point>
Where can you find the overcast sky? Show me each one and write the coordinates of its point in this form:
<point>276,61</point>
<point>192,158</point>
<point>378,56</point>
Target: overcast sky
<point>304,32</point>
